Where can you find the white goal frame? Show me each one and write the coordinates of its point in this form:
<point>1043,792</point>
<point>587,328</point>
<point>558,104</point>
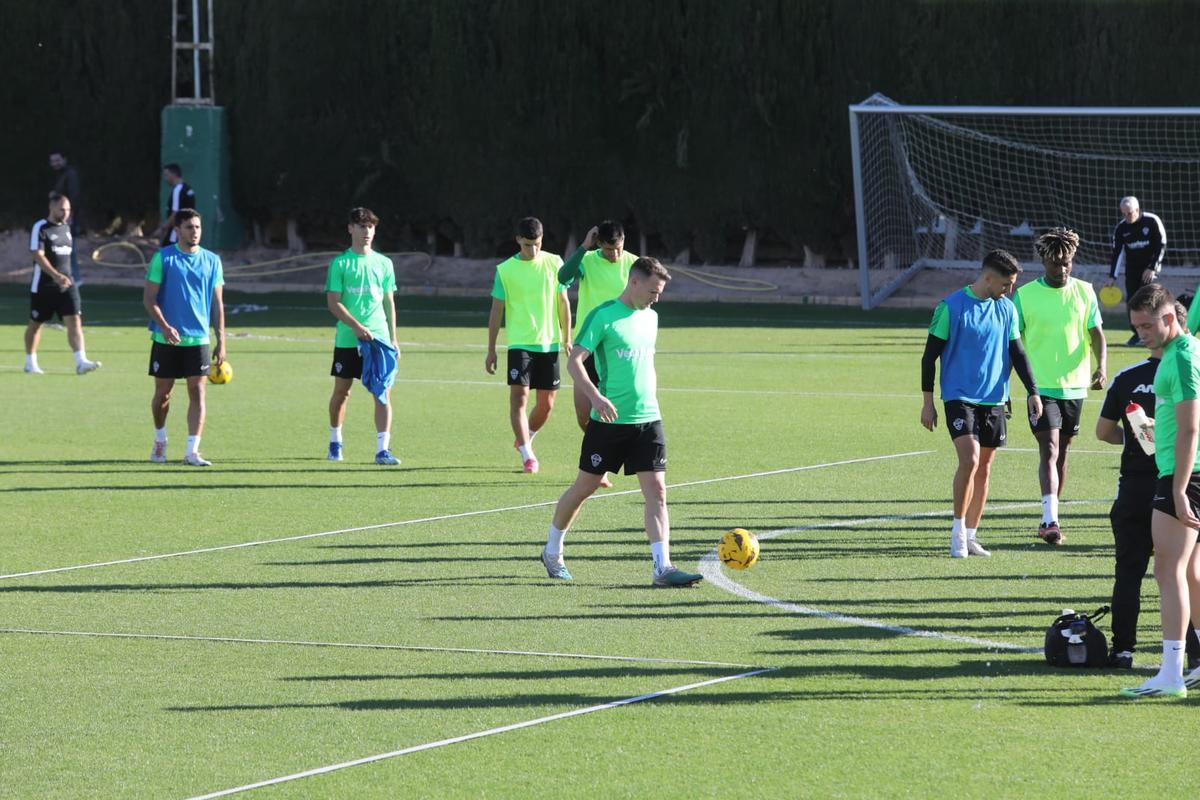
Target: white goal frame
<point>936,228</point>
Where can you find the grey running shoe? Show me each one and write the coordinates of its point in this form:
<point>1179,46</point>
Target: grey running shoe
<point>674,578</point>
<point>555,568</point>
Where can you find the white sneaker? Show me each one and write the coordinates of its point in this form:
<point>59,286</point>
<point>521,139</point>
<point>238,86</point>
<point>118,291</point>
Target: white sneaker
<point>1192,679</point>
<point>196,460</point>
<point>1158,686</point>
<point>958,545</point>
<point>159,454</point>
<point>34,369</point>
<point>84,367</point>
<point>974,548</point>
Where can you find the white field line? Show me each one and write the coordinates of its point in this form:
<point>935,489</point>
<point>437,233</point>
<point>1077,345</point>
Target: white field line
<point>443,517</point>
<point>374,646</point>
<point>480,734</point>
<point>710,567</point>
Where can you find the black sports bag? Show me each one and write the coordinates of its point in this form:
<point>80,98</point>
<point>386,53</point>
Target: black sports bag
<point>1075,641</point>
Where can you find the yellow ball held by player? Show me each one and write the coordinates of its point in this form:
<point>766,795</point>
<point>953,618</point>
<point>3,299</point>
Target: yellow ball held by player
<point>738,549</point>
<point>220,373</point>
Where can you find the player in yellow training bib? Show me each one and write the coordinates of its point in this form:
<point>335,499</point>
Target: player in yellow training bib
<point>1059,319</point>
<point>532,304</point>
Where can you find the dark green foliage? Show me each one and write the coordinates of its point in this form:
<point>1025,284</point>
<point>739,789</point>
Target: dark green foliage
<point>690,120</point>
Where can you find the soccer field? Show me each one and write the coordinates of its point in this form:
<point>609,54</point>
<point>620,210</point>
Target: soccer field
<point>174,632</point>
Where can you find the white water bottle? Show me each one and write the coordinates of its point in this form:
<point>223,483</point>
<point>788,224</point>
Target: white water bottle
<point>1141,426</point>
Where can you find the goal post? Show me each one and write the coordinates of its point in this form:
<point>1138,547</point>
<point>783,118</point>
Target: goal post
<point>936,187</point>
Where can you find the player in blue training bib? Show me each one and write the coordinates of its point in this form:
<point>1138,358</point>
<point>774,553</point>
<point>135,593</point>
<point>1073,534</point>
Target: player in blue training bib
<point>974,333</point>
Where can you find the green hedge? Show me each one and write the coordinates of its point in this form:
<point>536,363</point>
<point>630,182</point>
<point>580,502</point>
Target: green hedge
<point>690,120</point>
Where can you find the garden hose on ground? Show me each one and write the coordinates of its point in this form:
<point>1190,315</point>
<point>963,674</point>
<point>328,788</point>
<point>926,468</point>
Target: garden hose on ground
<point>255,270</point>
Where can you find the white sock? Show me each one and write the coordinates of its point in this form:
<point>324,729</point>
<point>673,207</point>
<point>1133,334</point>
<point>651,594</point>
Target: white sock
<point>1049,508</point>
<point>193,445</point>
<point>957,528</point>
<point>526,450</point>
<point>335,434</point>
<point>31,360</point>
<point>554,542</point>
<point>971,533</point>
<point>80,357</point>
<point>160,434</point>
<point>1172,666</point>
<point>382,440</point>
<point>662,555</point>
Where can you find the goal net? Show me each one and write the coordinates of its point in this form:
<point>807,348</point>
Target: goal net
<point>939,186</point>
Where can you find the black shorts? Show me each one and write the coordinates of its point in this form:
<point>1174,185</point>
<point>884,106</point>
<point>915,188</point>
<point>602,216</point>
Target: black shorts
<point>46,303</point>
<point>641,447</point>
<point>988,424</point>
<point>1061,415</point>
<point>535,370</point>
<point>174,361</point>
<point>347,363</point>
<point>1164,494</point>
<point>589,364</point>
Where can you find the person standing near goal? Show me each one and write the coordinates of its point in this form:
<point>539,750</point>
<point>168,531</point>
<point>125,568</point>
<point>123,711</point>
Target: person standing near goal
<point>625,426</point>
<point>1176,502</point>
<point>532,304</point>
<point>1139,243</point>
<point>1060,321</point>
<point>974,332</point>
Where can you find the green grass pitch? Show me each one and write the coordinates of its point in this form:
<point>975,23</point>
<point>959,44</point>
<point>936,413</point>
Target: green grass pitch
<point>434,565</point>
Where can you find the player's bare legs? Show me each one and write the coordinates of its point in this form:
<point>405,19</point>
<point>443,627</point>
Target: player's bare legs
<point>967,448</point>
<point>160,404</point>
<point>1052,463</point>
<point>518,399</point>
<point>979,489</point>
<point>33,335</point>
<point>195,388</point>
<point>383,415</point>
<point>337,401</point>
<point>541,409</point>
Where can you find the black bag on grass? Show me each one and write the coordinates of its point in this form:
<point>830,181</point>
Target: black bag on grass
<point>1075,641</point>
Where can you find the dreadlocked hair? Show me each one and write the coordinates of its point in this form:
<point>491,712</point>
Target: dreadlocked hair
<point>1058,244</point>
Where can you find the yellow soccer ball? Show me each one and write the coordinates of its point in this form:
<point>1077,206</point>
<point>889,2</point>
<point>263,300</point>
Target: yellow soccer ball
<point>738,549</point>
<point>220,373</point>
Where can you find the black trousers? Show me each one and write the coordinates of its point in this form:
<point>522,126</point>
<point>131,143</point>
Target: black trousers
<point>1130,516</point>
<point>1133,282</point>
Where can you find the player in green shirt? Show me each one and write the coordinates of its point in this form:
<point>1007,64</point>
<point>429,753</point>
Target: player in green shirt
<point>1176,516</point>
<point>625,427</point>
<point>1060,322</point>
<point>602,274</point>
<point>359,293</point>
<point>528,299</point>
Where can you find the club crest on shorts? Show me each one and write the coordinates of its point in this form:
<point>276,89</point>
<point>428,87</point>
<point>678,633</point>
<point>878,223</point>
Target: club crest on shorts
<point>154,366</point>
<point>958,424</point>
<point>337,367</point>
<point>35,314</point>
<point>513,374</point>
<point>596,459</point>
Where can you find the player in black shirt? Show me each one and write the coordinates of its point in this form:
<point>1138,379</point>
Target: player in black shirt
<point>181,196</point>
<point>1131,511</point>
<point>52,292</point>
<point>1139,243</point>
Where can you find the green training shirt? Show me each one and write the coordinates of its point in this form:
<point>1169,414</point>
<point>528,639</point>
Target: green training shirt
<point>1054,325</point>
<point>530,292</point>
<point>623,341</point>
<point>364,281</point>
<point>1177,380</point>
<point>600,280</point>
